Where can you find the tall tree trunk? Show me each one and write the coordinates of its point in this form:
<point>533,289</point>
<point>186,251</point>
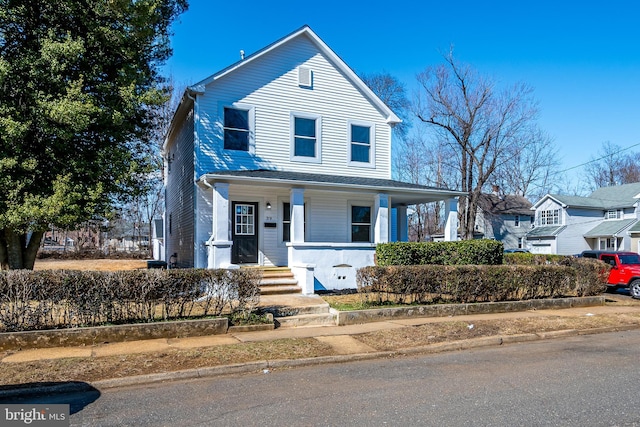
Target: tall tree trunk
<point>17,250</point>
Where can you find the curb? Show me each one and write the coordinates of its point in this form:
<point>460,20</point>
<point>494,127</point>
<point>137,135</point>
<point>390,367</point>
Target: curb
<point>268,365</point>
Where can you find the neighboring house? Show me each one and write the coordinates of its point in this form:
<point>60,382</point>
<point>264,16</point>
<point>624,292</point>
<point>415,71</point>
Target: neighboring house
<point>605,220</point>
<point>284,159</point>
<point>506,218</point>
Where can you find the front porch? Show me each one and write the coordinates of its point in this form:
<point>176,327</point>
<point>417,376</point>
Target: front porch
<point>322,227</point>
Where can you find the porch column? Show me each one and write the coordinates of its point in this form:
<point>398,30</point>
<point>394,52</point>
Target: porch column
<point>451,215</point>
<point>381,218</point>
<point>219,255</point>
<point>402,224</point>
<point>297,215</point>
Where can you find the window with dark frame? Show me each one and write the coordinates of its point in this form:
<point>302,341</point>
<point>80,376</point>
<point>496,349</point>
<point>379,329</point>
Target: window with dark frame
<point>360,144</point>
<point>304,137</point>
<point>286,221</point>
<point>236,129</point>
<point>361,223</point>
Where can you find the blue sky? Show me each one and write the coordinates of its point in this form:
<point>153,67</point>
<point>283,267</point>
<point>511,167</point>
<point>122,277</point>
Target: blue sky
<point>582,59</point>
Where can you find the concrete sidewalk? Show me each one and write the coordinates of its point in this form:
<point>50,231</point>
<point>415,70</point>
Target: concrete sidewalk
<point>339,337</point>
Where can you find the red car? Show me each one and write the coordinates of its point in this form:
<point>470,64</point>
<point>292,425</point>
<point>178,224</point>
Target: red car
<point>625,269</point>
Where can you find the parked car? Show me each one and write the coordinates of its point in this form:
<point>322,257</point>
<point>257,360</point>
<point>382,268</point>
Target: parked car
<point>625,269</point>
<point>517,250</point>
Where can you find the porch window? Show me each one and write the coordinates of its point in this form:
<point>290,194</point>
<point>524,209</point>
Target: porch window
<point>286,221</point>
<point>361,143</point>
<point>306,142</point>
<point>360,223</point>
<point>236,129</point>
<point>550,217</point>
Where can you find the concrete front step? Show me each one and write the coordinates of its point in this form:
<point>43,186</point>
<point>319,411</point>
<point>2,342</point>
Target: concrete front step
<point>280,290</point>
<point>326,319</point>
<point>293,304</point>
<point>272,282</point>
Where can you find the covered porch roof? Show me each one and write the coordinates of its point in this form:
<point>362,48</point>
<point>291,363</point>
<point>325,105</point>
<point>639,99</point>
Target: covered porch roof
<point>609,228</point>
<point>402,193</point>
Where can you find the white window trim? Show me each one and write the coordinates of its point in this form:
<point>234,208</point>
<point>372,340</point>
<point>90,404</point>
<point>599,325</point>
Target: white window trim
<point>372,144</point>
<point>617,214</point>
<point>252,125</point>
<point>371,219</point>
<point>550,216</point>
<point>318,153</point>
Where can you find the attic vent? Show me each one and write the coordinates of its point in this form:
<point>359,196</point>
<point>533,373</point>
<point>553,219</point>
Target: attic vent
<point>305,77</point>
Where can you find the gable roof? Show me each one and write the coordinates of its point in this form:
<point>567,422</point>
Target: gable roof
<point>604,198</point>
<point>401,192</point>
<point>619,196</point>
<point>507,204</point>
<point>304,31</point>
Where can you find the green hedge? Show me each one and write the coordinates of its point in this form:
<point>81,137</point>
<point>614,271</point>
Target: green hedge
<point>524,258</point>
<point>474,252</point>
<point>427,284</point>
<point>32,300</point>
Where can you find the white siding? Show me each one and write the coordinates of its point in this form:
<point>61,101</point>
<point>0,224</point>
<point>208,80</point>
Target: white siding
<point>180,187</point>
<point>579,222</point>
<point>270,86</point>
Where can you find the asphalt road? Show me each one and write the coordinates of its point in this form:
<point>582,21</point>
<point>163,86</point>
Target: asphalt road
<point>591,380</point>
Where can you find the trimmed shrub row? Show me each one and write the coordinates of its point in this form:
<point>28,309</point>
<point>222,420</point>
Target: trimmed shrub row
<point>33,300</point>
<point>475,252</point>
<point>425,284</point>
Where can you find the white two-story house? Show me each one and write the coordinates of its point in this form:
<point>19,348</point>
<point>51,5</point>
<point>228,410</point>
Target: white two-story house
<point>284,159</point>
<point>568,225</point>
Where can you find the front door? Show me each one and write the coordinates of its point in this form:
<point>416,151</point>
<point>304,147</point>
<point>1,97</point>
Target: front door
<point>245,233</point>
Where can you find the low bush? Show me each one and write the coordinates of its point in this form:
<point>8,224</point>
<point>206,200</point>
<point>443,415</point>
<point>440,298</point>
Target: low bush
<point>73,254</point>
<point>465,252</point>
<point>425,284</point>
<point>32,300</point>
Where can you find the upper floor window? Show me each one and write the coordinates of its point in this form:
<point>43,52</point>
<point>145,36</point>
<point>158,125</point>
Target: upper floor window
<point>517,221</point>
<point>361,148</point>
<point>237,129</point>
<point>360,223</point>
<point>305,133</point>
<point>613,214</point>
<point>550,217</point>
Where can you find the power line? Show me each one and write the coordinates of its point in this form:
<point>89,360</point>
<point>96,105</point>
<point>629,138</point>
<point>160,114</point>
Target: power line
<point>603,157</point>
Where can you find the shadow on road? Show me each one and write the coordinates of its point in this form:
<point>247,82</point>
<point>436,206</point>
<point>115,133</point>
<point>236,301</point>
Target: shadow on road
<point>76,394</point>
